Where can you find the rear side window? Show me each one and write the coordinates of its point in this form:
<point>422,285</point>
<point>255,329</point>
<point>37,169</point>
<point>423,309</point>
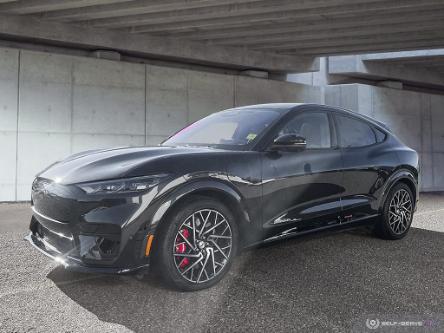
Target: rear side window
<point>354,132</point>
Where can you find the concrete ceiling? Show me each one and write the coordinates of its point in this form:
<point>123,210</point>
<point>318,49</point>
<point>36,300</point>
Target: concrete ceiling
<point>283,29</point>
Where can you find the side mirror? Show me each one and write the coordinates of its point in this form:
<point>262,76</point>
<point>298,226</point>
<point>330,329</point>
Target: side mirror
<point>289,142</point>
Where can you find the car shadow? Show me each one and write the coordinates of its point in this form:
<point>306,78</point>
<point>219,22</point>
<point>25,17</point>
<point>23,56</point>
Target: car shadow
<point>330,282</point>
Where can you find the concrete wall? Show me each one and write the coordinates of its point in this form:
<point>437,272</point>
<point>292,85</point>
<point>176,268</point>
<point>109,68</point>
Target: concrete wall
<point>54,105</point>
<point>416,118</point>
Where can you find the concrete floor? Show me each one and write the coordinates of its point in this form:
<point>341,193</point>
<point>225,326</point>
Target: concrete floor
<point>329,282</point>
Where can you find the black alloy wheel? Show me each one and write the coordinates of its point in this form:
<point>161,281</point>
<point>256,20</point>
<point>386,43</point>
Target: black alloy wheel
<point>197,244</point>
<point>397,214</point>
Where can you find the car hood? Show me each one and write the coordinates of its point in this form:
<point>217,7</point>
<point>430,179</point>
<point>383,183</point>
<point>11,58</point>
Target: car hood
<point>115,163</point>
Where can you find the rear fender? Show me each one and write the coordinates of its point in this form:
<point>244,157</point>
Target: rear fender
<point>404,175</point>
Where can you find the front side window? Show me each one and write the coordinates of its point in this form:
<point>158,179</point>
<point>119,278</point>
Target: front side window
<point>354,133</point>
<point>314,127</point>
<point>231,128</point>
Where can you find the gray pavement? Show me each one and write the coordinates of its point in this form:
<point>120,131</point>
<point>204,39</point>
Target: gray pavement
<point>328,282</point>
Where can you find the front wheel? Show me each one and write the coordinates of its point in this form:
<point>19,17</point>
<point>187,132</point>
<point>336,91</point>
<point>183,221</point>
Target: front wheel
<point>198,244</point>
<point>397,213</point>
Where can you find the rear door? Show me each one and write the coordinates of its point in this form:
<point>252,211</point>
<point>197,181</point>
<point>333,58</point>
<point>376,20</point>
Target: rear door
<point>364,165</point>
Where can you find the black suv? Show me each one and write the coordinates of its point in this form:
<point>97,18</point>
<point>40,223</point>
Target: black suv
<point>236,178</point>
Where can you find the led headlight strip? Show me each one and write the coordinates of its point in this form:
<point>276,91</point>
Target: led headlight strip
<point>127,185</point>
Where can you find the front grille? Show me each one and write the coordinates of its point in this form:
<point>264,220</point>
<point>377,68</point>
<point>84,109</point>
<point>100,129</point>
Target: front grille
<point>53,200</point>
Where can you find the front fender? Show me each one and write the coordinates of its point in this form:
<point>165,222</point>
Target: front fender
<point>219,187</point>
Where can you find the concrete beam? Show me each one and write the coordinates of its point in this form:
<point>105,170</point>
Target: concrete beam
<point>367,30</point>
<point>246,10</point>
<point>134,8</point>
<point>357,48</point>
<point>358,66</point>
<point>406,56</point>
<point>253,29</point>
<point>318,14</point>
<point>31,29</point>
<point>432,60</point>
<point>339,41</point>
<point>36,6</point>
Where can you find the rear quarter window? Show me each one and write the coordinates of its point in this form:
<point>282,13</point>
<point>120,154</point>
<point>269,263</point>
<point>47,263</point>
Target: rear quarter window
<point>354,132</point>
<point>380,135</point>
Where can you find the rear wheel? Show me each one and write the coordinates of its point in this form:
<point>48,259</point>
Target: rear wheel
<point>397,214</point>
<point>197,244</point>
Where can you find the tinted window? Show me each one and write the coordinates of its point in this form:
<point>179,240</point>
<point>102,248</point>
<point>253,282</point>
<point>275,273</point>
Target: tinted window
<point>380,135</point>
<point>314,127</point>
<point>354,133</point>
<point>227,128</point>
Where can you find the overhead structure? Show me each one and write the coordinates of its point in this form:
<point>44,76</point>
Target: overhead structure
<point>432,60</point>
<point>421,69</point>
<point>271,35</point>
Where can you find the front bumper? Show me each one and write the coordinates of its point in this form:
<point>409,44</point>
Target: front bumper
<point>90,233</point>
<point>75,264</point>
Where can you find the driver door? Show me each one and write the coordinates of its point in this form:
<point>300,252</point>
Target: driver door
<point>302,188</point>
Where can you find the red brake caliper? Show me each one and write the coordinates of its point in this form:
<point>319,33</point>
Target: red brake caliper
<point>181,247</point>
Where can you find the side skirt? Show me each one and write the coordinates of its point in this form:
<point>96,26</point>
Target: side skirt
<point>344,225</point>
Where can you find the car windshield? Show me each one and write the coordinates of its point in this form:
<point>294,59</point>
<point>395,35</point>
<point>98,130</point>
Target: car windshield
<point>235,128</point>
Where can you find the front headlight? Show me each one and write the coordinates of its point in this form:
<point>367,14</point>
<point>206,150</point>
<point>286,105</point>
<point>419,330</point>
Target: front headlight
<point>127,185</point>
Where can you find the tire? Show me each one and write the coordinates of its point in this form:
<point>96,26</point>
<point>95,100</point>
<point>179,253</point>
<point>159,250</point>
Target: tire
<point>208,265</point>
<point>397,214</point>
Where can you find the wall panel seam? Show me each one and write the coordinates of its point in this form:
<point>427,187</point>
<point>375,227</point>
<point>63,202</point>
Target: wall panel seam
<point>17,123</point>
<point>145,103</point>
<point>71,128</point>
